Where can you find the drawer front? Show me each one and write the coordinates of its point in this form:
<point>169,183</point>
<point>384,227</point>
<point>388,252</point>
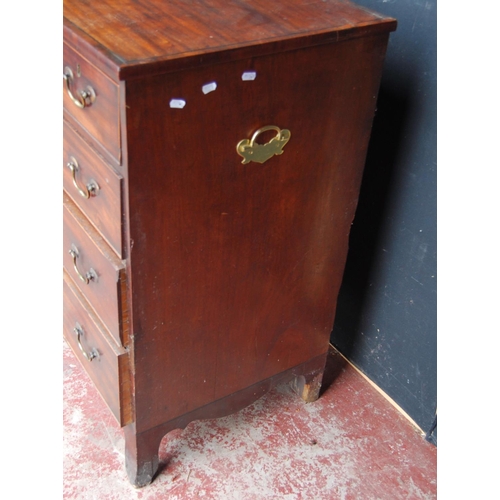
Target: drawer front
<point>106,364</point>
<point>99,274</point>
<point>100,116</point>
<point>94,187</point>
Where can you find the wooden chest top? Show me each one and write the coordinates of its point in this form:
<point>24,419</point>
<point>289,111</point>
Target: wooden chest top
<point>128,38</point>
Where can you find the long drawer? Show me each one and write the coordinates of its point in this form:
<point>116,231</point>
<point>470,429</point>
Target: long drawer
<point>99,274</point>
<point>105,362</point>
<point>94,187</point>
<point>92,99</point>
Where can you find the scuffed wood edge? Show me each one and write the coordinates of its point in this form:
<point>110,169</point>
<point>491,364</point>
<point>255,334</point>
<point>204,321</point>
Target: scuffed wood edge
<point>307,390</point>
<point>125,361</point>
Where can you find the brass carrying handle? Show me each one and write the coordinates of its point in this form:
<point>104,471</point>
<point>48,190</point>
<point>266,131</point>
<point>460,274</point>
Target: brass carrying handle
<point>89,356</point>
<point>250,150</point>
<point>90,275</point>
<point>84,98</point>
<point>91,189</point>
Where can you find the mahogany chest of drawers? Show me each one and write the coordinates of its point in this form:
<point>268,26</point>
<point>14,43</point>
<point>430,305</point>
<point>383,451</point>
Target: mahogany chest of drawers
<point>213,153</point>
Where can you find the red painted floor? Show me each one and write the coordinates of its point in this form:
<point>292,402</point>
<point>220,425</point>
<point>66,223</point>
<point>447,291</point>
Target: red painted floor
<point>350,444</point>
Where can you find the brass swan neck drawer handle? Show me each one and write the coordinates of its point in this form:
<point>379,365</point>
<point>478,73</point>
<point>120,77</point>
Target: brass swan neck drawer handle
<point>91,189</point>
<point>252,151</point>
<point>89,356</point>
<point>90,275</point>
<point>83,98</point>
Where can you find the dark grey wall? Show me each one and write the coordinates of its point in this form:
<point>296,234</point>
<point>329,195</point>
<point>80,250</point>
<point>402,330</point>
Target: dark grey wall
<point>386,314</point>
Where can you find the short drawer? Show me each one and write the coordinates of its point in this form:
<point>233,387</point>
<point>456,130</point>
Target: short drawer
<point>99,274</point>
<point>106,364</point>
<point>98,113</point>
<point>94,187</point>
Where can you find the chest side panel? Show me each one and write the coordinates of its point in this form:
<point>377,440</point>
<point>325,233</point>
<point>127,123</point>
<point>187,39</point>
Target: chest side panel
<point>236,267</point>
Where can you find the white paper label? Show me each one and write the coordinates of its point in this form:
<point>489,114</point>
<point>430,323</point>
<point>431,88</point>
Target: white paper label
<point>248,75</point>
<point>177,103</point>
<point>209,87</point>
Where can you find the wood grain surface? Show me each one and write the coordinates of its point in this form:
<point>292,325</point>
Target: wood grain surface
<point>156,35</point>
<point>105,292</point>
<point>105,209</point>
<point>235,267</point>
<point>102,119</point>
<point>110,370</point>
